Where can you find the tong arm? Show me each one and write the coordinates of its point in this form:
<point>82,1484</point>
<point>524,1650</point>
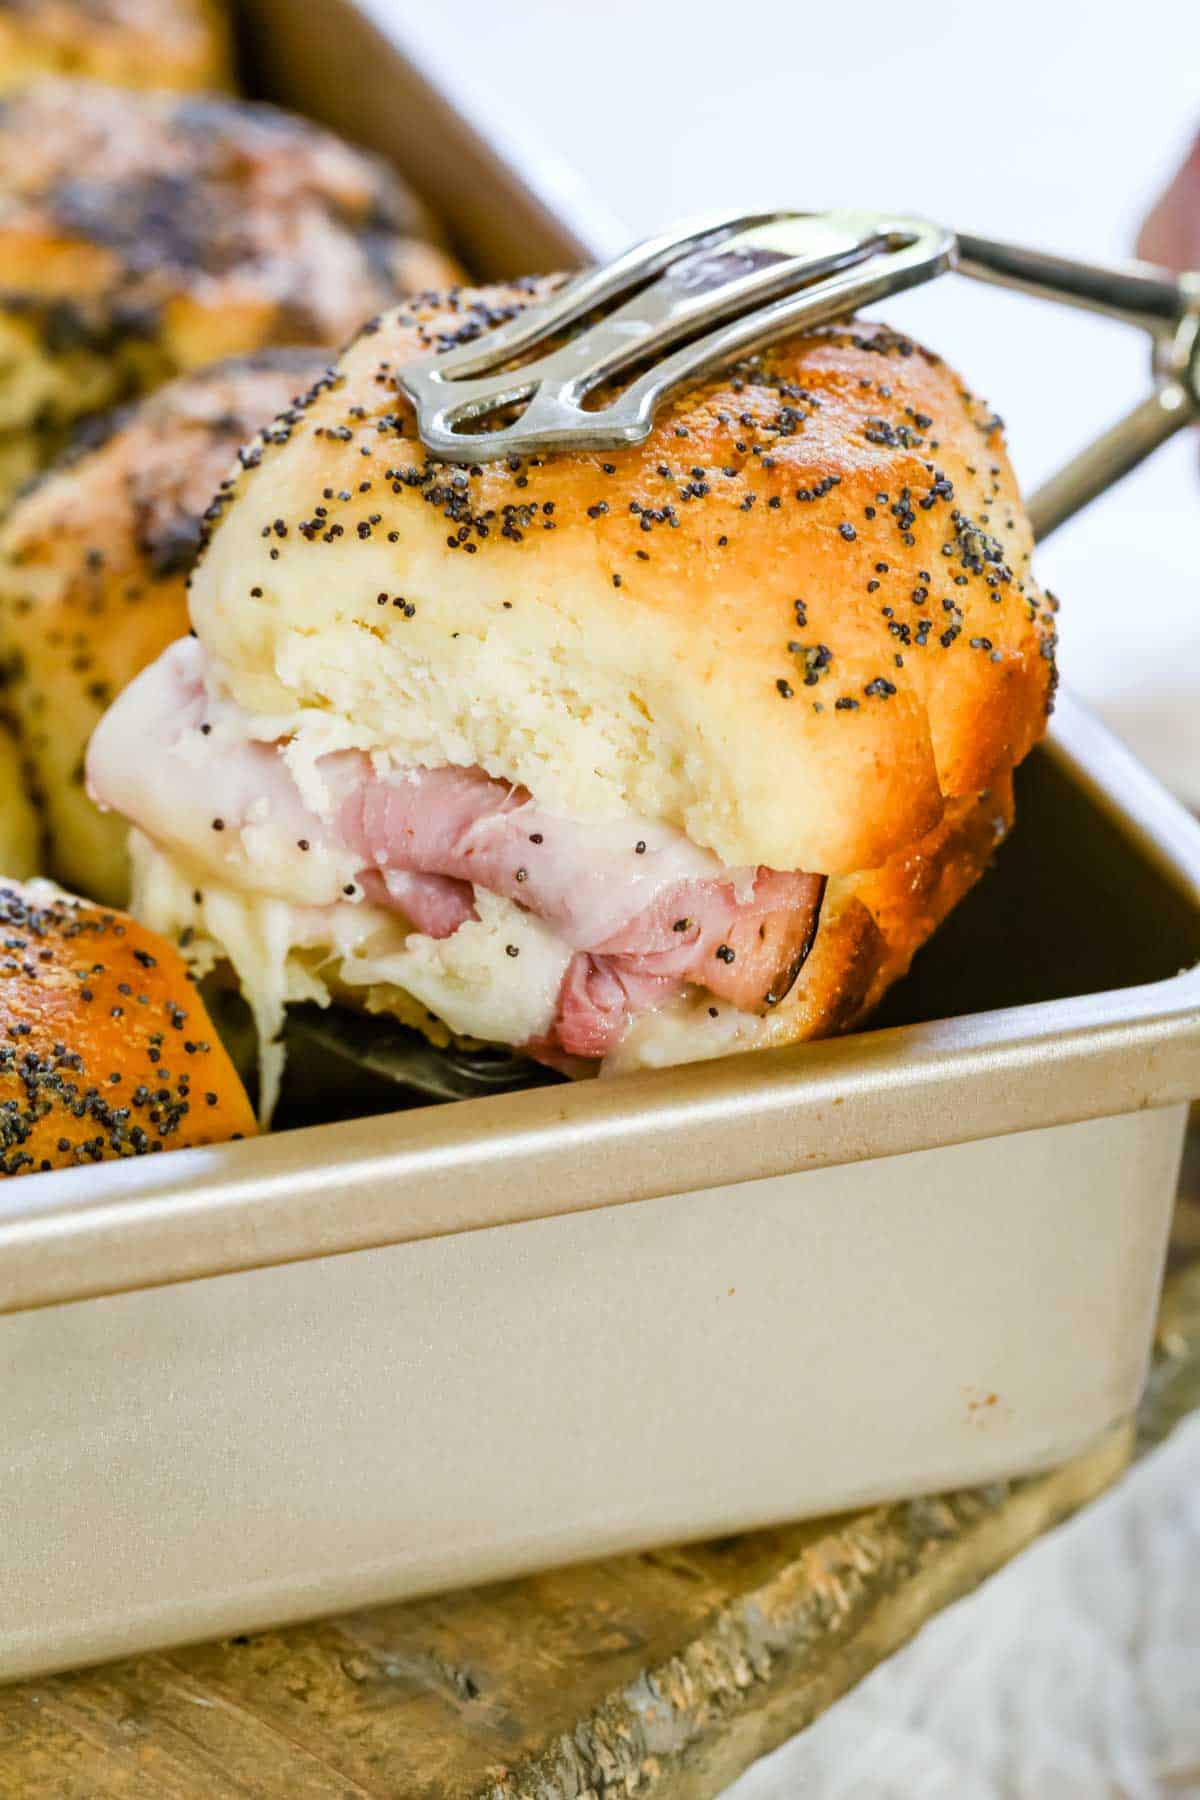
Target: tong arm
<point>686,303</point>
<point>1165,305</point>
<point>1136,293</point>
<point>729,284</point>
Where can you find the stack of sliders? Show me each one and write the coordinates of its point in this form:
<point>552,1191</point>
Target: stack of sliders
<point>94,563</point>
<point>621,758</point>
<point>617,759</point>
<point>143,235</point>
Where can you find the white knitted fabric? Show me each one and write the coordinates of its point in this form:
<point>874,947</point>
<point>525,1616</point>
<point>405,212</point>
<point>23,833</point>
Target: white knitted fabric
<point>1073,1675</point>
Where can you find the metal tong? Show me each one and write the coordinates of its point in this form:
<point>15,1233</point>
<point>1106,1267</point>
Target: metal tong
<point>680,304</point>
<point>685,302</point>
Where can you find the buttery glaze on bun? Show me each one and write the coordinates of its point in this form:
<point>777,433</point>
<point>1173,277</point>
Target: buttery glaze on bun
<point>792,624</point>
<point>105,1046</point>
<point>791,645</point>
<point>93,573</point>
<point>143,235</point>
<point>135,43</point>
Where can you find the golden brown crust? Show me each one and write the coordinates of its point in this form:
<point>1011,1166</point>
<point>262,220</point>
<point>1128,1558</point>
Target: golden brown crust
<point>93,573</point>
<point>873,924</point>
<point>809,589</point>
<point>143,235</point>
<point>134,43</point>
<point>106,1049</point>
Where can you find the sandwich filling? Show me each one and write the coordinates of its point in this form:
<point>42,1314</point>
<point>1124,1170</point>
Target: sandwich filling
<point>450,884</point>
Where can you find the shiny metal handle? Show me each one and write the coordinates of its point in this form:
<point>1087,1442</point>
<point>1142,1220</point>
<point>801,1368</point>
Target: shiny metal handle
<point>685,303</point>
<point>1136,293</point>
<point>1112,456</point>
<point>1164,305</point>
<point>727,285</point>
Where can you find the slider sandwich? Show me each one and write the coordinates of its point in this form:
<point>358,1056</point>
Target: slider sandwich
<point>146,235</point>
<point>622,758</point>
<point>93,569</point>
<point>106,1050</point>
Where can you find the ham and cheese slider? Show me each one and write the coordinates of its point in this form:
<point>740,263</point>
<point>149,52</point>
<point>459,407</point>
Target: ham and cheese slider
<point>146,235</point>
<point>93,570</point>
<point>622,758</point>
<point>106,1050</point>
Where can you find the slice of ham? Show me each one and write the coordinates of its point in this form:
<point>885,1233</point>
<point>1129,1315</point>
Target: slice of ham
<point>436,904</point>
<point>646,912</point>
<point>587,881</point>
<point>598,997</point>
<point>748,952</point>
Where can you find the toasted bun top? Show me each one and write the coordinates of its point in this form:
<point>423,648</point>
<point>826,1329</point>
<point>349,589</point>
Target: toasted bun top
<point>139,43</point>
<point>792,623</point>
<point>93,567</point>
<point>169,230</point>
<point>106,1049</point>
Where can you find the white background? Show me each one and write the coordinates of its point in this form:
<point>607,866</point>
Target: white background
<point>1051,124</point>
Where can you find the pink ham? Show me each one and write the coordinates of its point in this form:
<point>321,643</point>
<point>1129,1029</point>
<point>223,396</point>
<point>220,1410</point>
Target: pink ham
<point>436,904</point>
<point>647,912</point>
<point>585,880</point>
<point>748,952</point>
<point>598,997</point>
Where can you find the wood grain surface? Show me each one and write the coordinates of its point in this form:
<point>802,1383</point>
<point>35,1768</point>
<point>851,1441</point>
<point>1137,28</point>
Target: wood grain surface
<point>660,1676</point>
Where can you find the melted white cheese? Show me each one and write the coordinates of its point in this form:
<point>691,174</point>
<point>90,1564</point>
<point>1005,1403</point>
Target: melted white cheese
<point>684,1030</point>
<point>282,953</point>
<point>496,977</point>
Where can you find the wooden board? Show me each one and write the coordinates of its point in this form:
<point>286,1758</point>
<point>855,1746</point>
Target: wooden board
<point>660,1676</point>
